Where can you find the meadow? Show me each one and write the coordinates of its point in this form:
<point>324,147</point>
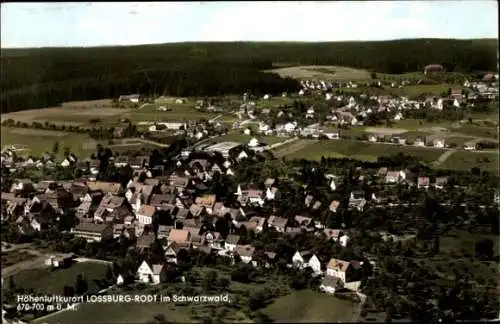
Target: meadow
<point>311,306</point>
<point>48,281</point>
<point>41,141</point>
<point>361,151</point>
<point>464,160</point>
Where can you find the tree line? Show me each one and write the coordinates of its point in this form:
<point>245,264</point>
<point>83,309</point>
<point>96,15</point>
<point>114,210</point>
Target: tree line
<point>34,78</point>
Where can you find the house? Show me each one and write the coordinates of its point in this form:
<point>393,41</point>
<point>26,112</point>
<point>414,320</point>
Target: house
<point>470,146</point>
<point>256,224</point>
<point>344,270</point>
<point>41,222</point>
<point>106,187</point>
<point>330,284</point>
<point>438,142</point>
<point>145,241</point>
<point>245,252</point>
<point>231,242</point>
<point>93,232</point>
<point>271,193</point>
<point>395,176</point>
<point>303,221</point>
<point>334,205</point>
<point>207,202</point>
<point>145,214</point>
<point>213,240</point>
<point>423,182</point>
<point>419,142</point>
<point>134,98</point>
<point>372,138</point>
<point>306,259</point>
<point>124,278</point>
<point>441,182</point>
<point>181,236</point>
<point>172,251</point>
<point>151,273</point>
<point>278,223</point>
<point>60,261</point>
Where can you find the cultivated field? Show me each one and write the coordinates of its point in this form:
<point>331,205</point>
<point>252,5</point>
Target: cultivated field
<point>463,160</point>
<point>291,148</point>
<point>311,306</point>
<point>47,281</point>
<point>179,112</point>
<point>39,141</point>
<point>71,113</point>
<point>323,72</point>
<point>361,151</point>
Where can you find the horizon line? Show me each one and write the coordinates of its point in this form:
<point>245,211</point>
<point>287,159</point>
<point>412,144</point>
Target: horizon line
<point>247,41</point>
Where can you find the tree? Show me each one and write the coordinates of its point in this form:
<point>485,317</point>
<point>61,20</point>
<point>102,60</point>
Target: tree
<point>209,279</point>
<point>68,291</point>
<point>485,249</point>
<point>373,75</point>
<point>109,273</point>
<point>55,148</point>
<point>81,285</point>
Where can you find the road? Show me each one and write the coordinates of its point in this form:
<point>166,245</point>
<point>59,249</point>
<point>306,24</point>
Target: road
<point>24,265</point>
<point>145,141</point>
<point>440,160</point>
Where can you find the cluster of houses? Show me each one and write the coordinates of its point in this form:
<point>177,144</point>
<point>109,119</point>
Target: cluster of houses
<point>107,210</point>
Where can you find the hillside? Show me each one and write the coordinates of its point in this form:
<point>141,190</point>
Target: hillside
<point>33,78</point>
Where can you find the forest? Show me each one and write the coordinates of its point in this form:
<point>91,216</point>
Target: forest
<point>42,77</point>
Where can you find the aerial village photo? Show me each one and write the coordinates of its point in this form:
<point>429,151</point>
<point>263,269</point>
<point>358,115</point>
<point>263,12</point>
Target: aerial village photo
<point>250,162</point>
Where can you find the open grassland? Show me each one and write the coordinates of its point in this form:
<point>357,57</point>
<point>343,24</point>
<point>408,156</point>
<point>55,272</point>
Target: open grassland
<point>361,151</point>
<point>463,160</point>
<point>179,112</point>
<point>416,90</point>
<point>70,113</point>
<point>311,306</point>
<point>293,147</point>
<point>275,102</point>
<point>322,72</point>
<point>14,257</point>
<point>478,131</point>
<point>40,141</point>
<point>48,282</point>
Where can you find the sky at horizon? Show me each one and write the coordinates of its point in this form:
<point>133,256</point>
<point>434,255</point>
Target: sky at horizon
<point>133,23</point>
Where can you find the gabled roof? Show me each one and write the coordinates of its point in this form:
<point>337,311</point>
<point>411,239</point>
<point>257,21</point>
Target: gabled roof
<point>179,235</point>
<point>232,239</point>
<point>244,250</point>
<point>147,210</point>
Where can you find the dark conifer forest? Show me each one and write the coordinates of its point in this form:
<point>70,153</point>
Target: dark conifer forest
<point>37,78</point>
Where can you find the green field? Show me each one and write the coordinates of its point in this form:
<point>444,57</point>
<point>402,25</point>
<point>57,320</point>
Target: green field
<point>463,160</point>
<point>179,112</point>
<point>419,89</point>
<point>311,306</point>
<point>479,131</point>
<point>40,141</point>
<point>458,140</point>
<point>47,281</point>
<point>362,151</point>
<point>323,72</point>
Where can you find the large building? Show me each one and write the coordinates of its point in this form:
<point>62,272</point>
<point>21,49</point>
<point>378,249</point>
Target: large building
<point>224,148</point>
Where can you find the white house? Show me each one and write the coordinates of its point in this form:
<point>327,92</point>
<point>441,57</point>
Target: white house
<point>398,116</point>
<point>310,112</point>
<point>242,155</point>
<point>328,96</point>
<point>266,97</point>
<point>304,259</point>
<point>438,143</point>
<point>154,274</point>
<point>271,193</point>
<point>231,242</point>
<point>245,252</point>
<point>253,142</point>
<point>145,214</point>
